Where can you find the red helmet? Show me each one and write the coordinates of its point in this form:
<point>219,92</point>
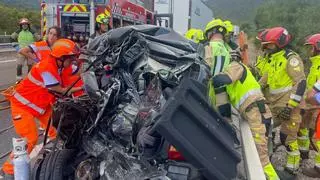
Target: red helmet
<point>261,34</point>
<point>64,47</point>
<point>314,41</point>
<point>277,35</point>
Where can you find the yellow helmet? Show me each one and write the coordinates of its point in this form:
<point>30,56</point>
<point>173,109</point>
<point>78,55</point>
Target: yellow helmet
<point>229,26</point>
<point>195,35</point>
<point>102,19</point>
<point>216,24</point>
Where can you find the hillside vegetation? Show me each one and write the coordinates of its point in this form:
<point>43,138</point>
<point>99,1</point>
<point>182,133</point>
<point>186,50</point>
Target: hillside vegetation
<point>10,17</point>
<point>300,17</point>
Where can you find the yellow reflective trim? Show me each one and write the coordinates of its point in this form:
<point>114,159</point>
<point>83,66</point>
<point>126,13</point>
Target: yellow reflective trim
<point>293,103</point>
<point>280,90</point>
<point>293,160</point>
<point>270,173</point>
<point>304,143</point>
<point>304,132</point>
<point>248,94</point>
<point>317,159</point>
<point>294,146</point>
<point>35,81</point>
<point>26,102</point>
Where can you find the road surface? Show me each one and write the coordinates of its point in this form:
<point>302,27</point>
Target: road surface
<point>7,77</point>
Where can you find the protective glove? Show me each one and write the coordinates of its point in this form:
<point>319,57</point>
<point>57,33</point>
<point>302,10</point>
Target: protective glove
<point>145,137</point>
<point>285,113</point>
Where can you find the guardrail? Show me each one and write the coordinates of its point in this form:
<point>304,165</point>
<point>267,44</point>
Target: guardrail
<point>251,159</point>
<point>7,47</point>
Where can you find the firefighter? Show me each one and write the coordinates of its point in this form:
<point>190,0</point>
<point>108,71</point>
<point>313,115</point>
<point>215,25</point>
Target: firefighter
<point>102,25</point>
<point>313,97</point>
<point>245,95</point>
<point>217,57</point>
<point>25,37</point>
<point>41,49</point>
<point>196,35</point>
<point>286,82</point>
<point>310,114</point>
<point>231,45</point>
<point>263,63</point>
<point>33,96</point>
<point>309,120</point>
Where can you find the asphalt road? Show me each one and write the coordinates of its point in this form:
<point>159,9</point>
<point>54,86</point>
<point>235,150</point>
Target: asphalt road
<point>7,77</point>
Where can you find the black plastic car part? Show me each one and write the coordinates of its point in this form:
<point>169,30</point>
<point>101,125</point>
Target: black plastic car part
<point>199,132</point>
<point>183,171</point>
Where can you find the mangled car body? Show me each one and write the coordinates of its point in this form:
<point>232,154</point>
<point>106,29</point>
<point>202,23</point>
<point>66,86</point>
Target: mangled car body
<point>140,76</point>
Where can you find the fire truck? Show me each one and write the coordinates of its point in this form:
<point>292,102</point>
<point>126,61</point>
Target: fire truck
<point>77,18</point>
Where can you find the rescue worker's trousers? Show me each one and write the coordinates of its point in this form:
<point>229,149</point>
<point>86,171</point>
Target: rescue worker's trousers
<point>258,130</point>
<point>290,127</point>
<point>309,118</point>
<point>21,61</point>
<point>25,126</point>
<point>306,130</point>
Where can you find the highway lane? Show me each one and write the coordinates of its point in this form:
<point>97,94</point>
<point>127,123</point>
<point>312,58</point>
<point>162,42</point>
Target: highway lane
<point>7,77</point>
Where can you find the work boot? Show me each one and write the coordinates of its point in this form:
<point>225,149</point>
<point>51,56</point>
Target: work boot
<point>304,143</point>
<point>293,157</point>
<point>311,172</point>
<point>19,72</point>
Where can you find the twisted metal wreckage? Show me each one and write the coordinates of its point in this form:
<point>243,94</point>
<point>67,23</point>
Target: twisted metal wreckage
<point>140,76</point>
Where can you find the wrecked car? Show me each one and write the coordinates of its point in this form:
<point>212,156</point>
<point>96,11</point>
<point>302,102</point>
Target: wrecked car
<point>136,77</point>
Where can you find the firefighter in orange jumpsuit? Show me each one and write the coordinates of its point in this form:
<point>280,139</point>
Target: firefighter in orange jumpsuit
<point>33,98</point>
<point>42,49</point>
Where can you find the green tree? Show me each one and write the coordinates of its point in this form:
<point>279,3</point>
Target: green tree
<point>10,17</point>
<point>300,17</point>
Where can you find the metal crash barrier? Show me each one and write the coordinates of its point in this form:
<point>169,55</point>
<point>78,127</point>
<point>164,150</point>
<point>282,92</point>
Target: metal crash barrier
<point>251,159</point>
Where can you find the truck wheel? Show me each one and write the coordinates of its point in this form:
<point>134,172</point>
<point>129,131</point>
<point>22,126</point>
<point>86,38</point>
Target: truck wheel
<point>55,164</point>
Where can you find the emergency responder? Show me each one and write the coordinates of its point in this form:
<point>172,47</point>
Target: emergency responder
<point>308,125</point>
<point>286,82</point>
<point>245,95</point>
<point>313,97</point>
<point>217,57</point>
<point>102,26</point>
<point>262,65</point>
<point>230,44</point>
<point>195,35</point>
<point>41,49</point>
<point>25,37</point>
<point>33,96</point>
<point>310,113</point>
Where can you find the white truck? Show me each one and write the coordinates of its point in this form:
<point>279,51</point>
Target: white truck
<point>186,14</point>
